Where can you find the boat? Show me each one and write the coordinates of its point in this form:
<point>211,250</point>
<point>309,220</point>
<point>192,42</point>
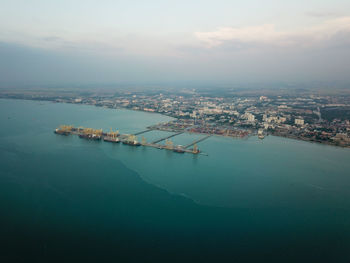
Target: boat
<point>61,132</point>
<point>112,136</point>
<point>93,137</point>
<point>64,130</point>
<point>178,149</point>
<point>132,143</point>
<point>261,134</point>
<point>111,139</point>
<point>131,140</point>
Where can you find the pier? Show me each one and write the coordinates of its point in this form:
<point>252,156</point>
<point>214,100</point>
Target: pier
<point>196,141</point>
<point>168,137</point>
<point>129,139</point>
<point>142,132</point>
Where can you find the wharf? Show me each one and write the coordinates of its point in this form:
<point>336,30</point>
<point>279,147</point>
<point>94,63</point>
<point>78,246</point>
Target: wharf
<point>197,141</point>
<point>174,149</point>
<point>168,137</point>
<point>89,133</point>
<point>141,132</point>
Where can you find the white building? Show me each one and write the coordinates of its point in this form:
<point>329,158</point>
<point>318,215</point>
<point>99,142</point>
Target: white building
<point>299,121</point>
<point>271,119</point>
<point>250,117</point>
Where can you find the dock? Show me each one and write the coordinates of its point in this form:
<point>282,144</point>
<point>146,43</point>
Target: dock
<point>165,147</point>
<point>165,138</point>
<point>142,132</point>
<point>197,141</point>
<point>129,139</point>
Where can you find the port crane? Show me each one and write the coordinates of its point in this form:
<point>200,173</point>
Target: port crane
<point>113,134</point>
<point>129,139</point>
<point>169,144</point>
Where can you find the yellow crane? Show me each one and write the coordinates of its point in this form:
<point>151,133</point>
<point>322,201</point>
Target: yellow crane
<point>169,144</point>
<point>112,133</point>
<point>195,148</point>
<point>98,132</point>
<point>132,138</point>
<point>88,131</point>
<point>66,128</point>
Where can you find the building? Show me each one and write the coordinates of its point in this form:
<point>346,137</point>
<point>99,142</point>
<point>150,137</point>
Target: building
<point>299,121</point>
<point>281,119</point>
<point>250,117</point>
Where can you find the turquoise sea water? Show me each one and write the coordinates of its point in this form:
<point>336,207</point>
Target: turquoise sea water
<point>67,199</point>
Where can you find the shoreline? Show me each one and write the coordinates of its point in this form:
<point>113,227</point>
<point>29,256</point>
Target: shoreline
<point>219,135</point>
<point>310,141</point>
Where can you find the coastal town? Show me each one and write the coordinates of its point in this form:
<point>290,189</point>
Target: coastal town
<point>308,116</point>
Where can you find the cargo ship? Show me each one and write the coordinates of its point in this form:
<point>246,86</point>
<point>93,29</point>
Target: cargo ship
<point>132,143</point>
<point>93,137</point>
<point>179,149</point>
<point>62,132</point>
<point>131,140</point>
<point>91,134</point>
<point>111,139</point>
<point>111,136</point>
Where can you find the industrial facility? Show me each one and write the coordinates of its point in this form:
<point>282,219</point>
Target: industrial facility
<point>129,139</point>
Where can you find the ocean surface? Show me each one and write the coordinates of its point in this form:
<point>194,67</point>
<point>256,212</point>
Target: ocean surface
<point>65,199</point>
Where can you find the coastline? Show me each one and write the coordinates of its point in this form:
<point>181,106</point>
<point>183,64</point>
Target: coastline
<point>311,141</point>
<point>174,118</point>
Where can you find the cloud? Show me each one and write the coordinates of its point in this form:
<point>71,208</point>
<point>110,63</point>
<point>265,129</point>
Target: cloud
<point>261,33</point>
<point>322,14</point>
<point>52,38</point>
<point>267,34</point>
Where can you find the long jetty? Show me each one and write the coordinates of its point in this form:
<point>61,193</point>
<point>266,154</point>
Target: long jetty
<point>92,134</point>
<point>196,141</point>
<point>168,137</point>
<point>141,132</point>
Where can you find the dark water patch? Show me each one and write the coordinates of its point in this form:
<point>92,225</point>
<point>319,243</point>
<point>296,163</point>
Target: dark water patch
<point>83,206</point>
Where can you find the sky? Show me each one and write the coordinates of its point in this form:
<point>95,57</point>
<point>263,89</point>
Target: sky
<point>199,41</point>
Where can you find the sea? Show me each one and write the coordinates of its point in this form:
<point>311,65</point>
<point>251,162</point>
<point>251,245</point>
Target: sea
<point>66,199</point>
